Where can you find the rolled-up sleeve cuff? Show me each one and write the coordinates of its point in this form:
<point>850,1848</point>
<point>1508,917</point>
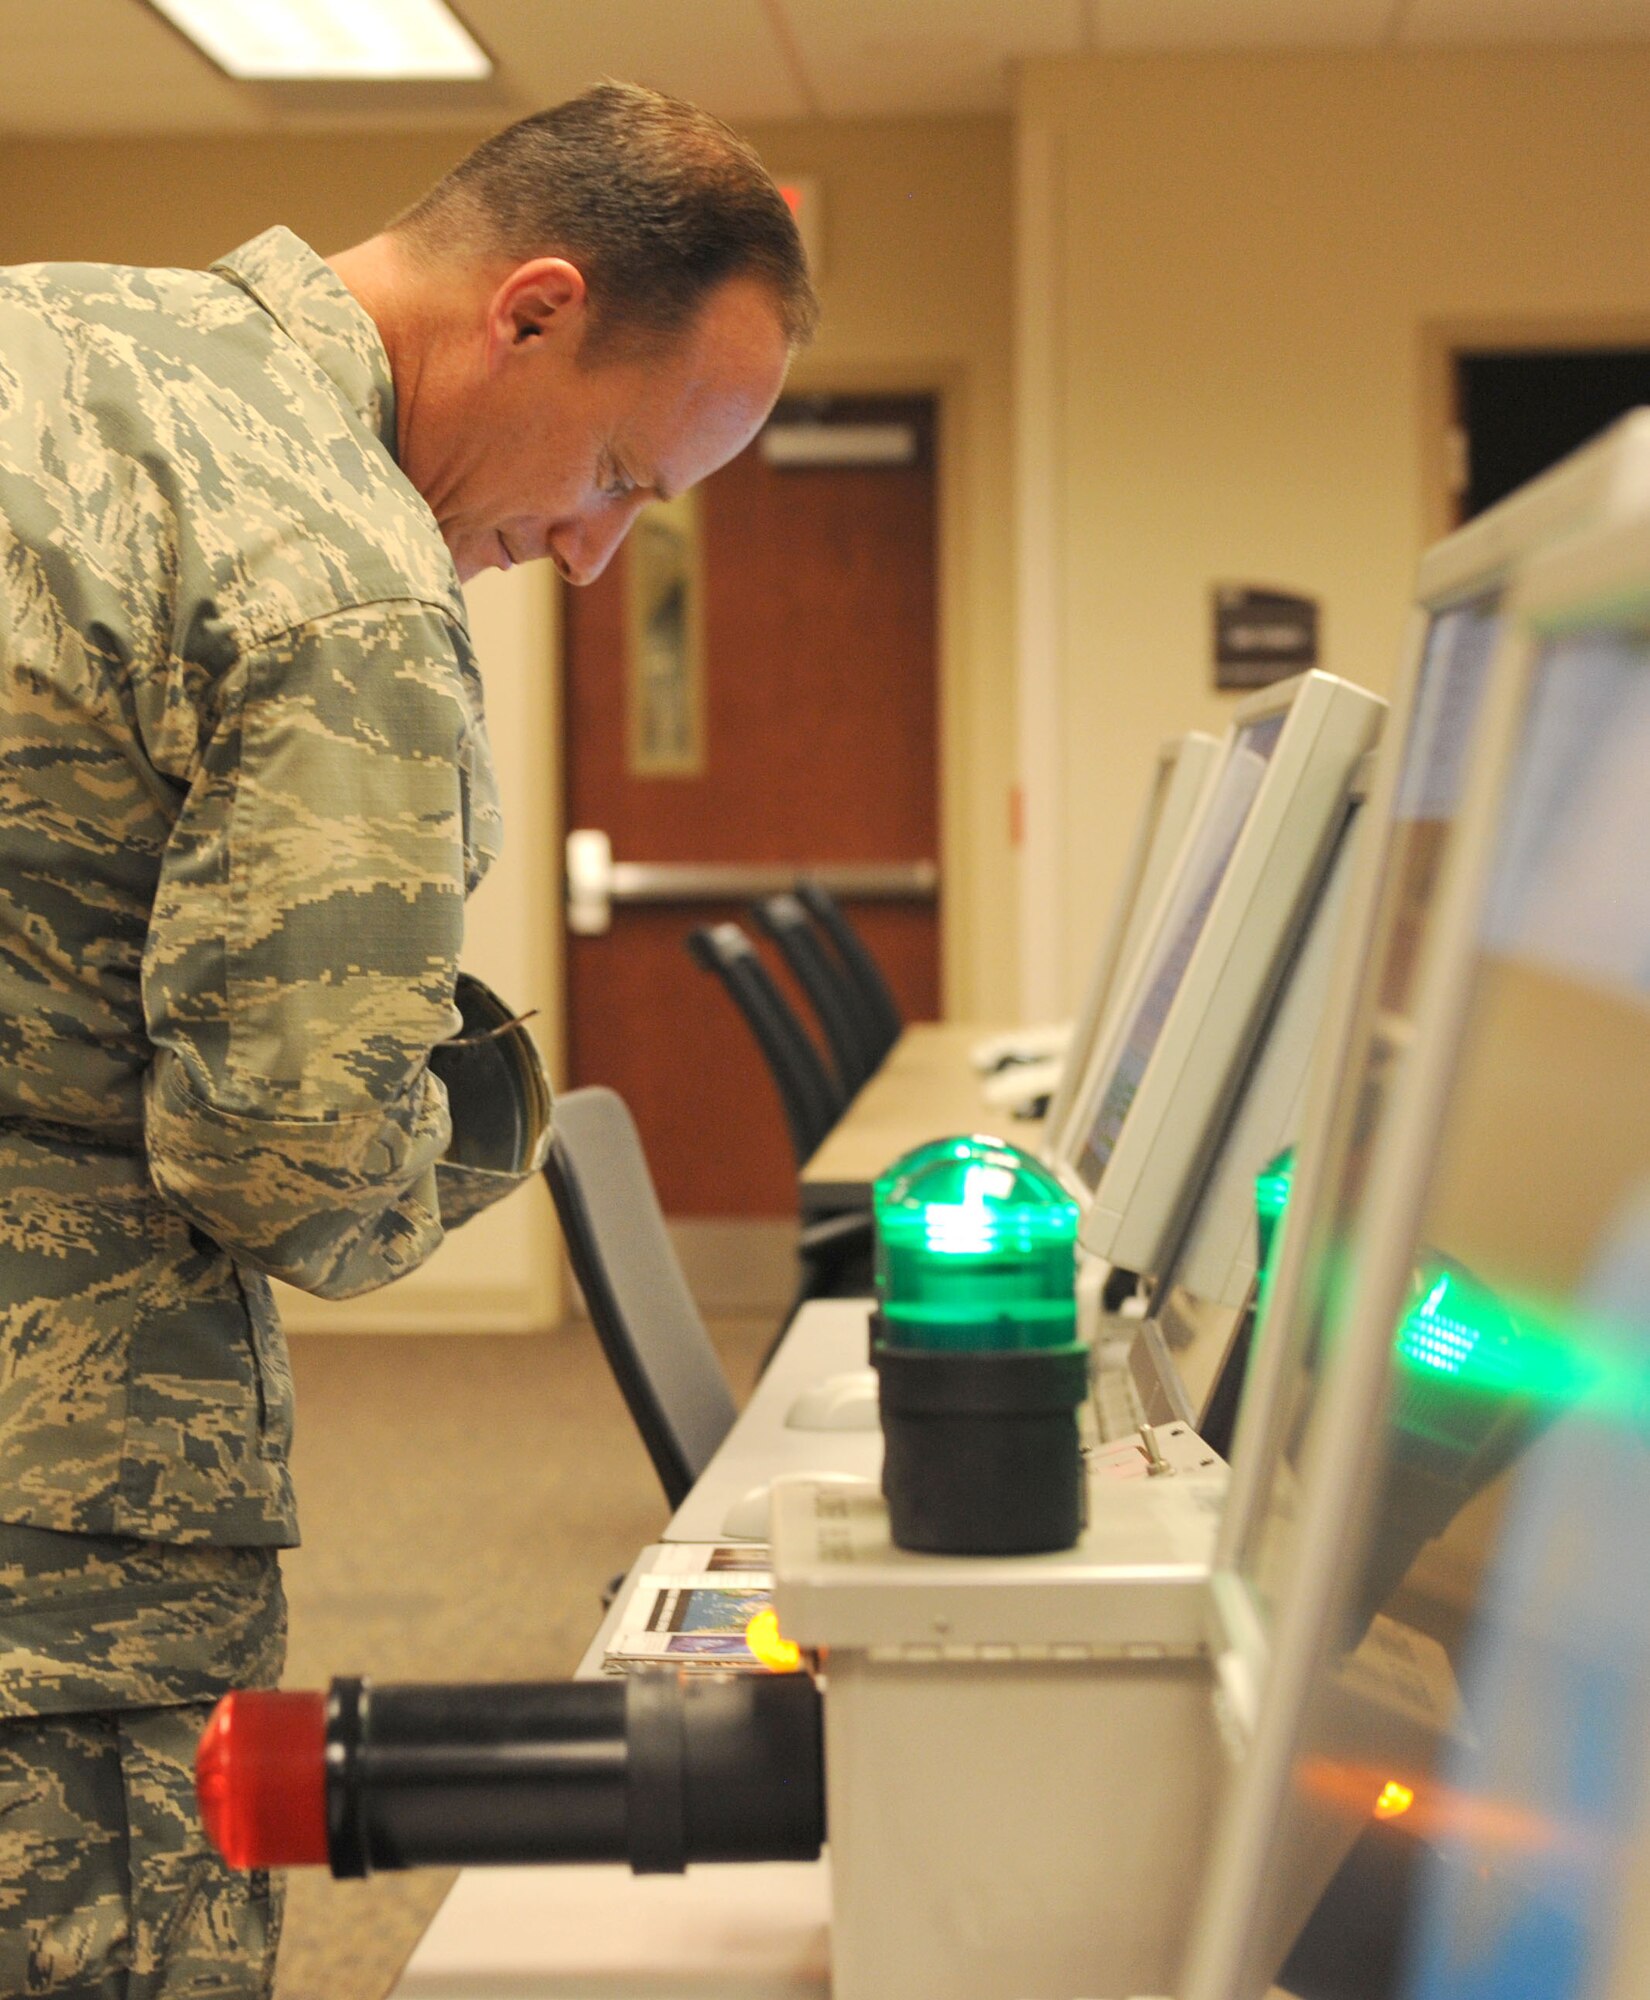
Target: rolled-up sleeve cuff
<point>333,1205</point>
<point>466,1191</point>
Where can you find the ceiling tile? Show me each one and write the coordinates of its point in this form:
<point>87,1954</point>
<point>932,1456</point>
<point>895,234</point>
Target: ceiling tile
<point>1243,24</point>
<point>1437,21</point>
<point>721,54</point>
<point>108,66</point>
<point>870,58</point>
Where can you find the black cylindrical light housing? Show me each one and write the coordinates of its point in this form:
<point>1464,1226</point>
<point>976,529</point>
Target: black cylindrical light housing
<point>658,1769</point>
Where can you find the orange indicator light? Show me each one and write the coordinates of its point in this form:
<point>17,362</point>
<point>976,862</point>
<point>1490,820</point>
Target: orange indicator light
<point>1394,1801</point>
<point>778,1655</point>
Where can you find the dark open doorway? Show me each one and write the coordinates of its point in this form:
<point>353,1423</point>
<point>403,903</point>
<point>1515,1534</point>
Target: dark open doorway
<point>1519,411</point>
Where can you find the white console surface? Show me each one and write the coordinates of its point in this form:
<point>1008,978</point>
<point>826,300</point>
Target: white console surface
<point>1135,1582</point>
<point>829,1337</point>
<point>739,1931</point>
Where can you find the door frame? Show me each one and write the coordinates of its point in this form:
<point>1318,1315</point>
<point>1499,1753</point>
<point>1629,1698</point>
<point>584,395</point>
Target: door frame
<point>1443,339</point>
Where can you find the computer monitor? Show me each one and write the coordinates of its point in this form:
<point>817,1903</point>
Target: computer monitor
<point>1179,778</point>
<point>1188,1356</point>
<point>1489,1115</point>
<point>1244,880</point>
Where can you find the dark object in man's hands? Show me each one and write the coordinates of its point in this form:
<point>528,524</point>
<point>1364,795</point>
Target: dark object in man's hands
<point>498,1091</point>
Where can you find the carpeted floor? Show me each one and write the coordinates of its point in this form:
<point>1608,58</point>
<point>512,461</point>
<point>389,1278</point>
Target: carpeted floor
<point>464,1501</point>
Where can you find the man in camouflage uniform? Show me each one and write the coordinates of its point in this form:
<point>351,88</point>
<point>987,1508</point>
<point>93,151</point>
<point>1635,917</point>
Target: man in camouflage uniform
<point>244,791</point>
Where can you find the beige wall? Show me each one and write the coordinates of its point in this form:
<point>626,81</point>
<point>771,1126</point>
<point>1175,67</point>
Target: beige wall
<point>1251,252</point>
<point>185,201</point>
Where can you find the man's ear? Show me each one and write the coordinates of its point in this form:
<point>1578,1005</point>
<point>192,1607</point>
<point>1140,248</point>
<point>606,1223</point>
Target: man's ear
<point>541,302</point>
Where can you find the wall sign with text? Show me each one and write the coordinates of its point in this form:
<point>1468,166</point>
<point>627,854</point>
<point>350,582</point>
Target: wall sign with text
<point>1262,635</point>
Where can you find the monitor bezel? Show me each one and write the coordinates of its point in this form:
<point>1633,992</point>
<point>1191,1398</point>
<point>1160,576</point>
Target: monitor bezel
<point>1184,769</point>
<point>1259,706</point>
<point>1160,1357</point>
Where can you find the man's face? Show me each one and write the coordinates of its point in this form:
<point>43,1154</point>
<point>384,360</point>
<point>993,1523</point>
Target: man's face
<point>536,454</point>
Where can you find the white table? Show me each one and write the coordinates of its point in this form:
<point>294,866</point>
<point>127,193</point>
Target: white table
<point>829,1337</point>
<point>737,1931</point>
<point>928,1087</point>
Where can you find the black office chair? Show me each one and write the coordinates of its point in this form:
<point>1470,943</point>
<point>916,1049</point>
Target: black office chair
<point>833,1251</point>
<point>811,1097</point>
<point>626,1265</point>
<point>848,1029</point>
<point>879,1009</point>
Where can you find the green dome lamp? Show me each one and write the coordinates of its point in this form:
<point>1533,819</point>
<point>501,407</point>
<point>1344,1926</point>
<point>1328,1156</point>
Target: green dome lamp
<point>975,1345</point>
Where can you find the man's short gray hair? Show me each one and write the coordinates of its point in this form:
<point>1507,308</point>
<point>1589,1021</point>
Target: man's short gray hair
<point>657,203</point>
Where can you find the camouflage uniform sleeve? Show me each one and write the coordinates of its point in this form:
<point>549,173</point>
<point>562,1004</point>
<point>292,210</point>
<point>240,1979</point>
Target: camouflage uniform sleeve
<point>303,950</point>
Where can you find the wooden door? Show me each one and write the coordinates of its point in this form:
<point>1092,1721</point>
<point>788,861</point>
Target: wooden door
<point>807,737</point>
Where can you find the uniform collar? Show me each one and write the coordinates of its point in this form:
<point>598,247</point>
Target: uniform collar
<point>304,297</point>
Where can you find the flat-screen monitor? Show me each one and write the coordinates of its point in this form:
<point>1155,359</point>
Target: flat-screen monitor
<point>1244,881</point>
<point>1198,1325</point>
<point>1179,924</point>
<point>1486,1116</point>
<point>1179,778</point>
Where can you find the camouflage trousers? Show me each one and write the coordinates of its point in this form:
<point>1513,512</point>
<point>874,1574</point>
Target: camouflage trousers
<point>108,1885</point>
<point>112,1653</point>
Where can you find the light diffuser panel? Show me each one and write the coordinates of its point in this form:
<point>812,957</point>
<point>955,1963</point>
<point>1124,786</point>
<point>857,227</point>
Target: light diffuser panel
<point>364,41</point>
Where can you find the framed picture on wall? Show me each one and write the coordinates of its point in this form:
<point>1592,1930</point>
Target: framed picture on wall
<point>664,642</point>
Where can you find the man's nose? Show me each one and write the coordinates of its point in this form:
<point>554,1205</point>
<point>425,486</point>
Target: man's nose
<point>584,548</point>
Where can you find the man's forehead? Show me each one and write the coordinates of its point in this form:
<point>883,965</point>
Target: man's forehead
<point>709,398</point>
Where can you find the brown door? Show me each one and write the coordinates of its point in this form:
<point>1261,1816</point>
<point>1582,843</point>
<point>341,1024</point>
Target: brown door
<point>753,683</point>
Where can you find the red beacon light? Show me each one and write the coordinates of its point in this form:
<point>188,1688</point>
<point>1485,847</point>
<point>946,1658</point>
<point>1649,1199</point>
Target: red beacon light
<point>659,1770</point>
<point>260,1779</point>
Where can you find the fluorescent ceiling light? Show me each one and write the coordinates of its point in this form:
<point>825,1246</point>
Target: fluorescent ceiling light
<point>288,41</point>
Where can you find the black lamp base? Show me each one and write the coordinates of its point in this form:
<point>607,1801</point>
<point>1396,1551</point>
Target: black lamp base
<point>980,1450</point>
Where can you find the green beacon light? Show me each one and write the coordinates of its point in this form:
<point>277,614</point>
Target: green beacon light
<point>976,1350</point>
<point>976,1250</point>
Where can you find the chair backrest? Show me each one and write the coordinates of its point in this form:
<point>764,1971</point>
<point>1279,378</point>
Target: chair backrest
<point>626,1265</point>
<point>849,1031</point>
<point>813,1099</point>
<point>881,1006</point>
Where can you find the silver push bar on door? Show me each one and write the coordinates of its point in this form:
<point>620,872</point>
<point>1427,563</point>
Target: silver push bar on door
<point>595,881</point>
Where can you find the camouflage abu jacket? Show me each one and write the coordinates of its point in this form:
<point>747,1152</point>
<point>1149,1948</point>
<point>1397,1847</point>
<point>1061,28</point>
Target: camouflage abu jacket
<point>244,790</point>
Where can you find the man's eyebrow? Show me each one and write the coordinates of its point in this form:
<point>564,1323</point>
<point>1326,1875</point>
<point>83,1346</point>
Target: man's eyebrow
<point>612,470</point>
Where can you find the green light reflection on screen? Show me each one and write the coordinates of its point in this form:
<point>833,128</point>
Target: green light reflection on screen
<point>1456,1333</point>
